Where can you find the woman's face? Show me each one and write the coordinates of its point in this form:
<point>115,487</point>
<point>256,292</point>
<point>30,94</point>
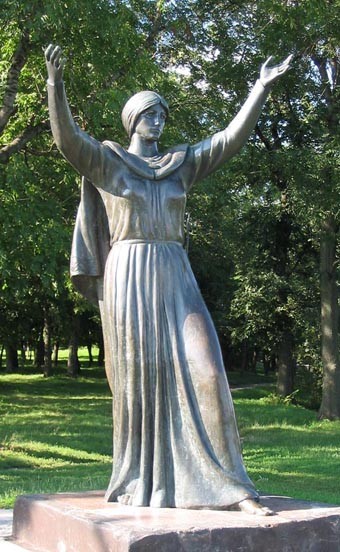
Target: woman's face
<point>151,122</point>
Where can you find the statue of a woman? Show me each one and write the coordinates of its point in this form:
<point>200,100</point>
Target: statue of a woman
<point>175,440</point>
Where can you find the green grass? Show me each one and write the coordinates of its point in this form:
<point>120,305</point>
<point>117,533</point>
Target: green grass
<point>55,435</point>
<point>286,449</point>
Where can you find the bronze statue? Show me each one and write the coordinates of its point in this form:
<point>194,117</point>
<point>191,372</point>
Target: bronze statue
<point>175,439</point>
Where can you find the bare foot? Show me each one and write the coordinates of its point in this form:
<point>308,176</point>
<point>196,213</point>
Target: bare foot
<point>250,506</point>
<point>125,499</point>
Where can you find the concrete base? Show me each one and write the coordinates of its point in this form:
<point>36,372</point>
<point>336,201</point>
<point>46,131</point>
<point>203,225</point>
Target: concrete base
<point>83,522</point>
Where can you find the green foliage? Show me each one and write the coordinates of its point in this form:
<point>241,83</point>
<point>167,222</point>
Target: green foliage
<point>285,182</point>
<point>274,400</point>
<point>255,225</point>
<point>106,61</point>
<point>308,382</point>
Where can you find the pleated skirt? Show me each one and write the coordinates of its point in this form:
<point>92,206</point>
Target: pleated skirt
<point>175,439</point>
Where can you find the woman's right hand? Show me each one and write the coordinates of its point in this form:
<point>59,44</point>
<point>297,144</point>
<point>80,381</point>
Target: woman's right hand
<point>54,63</point>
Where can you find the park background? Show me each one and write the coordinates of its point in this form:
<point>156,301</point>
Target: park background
<point>263,231</point>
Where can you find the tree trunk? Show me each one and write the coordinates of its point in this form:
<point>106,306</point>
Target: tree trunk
<point>285,326</point>
<point>73,366</point>
<point>244,356</point>
<point>101,355</point>
<point>55,354</point>
<point>39,353</point>
<point>254,359</point>
<point>12,362</point>
<point>23,354</point>
<point>285,365</point>
<point>330,404</point>
<point>89,350</point>
<point>269,363</point>
<point>1,355</point>
<point>47,345</point>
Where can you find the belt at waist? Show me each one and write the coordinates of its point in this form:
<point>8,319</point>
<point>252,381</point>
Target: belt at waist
<point>141,241</point>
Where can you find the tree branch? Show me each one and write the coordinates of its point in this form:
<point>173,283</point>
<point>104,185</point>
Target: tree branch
<point>18,61</point>
<point>157,25</point>
<point>275,134</point>
<point>269,146</point>
<point>321,64</point>
<point>20,141</point>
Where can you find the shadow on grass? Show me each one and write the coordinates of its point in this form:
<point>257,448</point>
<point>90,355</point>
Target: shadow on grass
<point>57,436</point>
<point>16,384</point>
<point>31,457</point>
<point>65,479</point>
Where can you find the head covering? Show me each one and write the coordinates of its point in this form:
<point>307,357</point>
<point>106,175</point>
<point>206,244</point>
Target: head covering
<point>137,104</point>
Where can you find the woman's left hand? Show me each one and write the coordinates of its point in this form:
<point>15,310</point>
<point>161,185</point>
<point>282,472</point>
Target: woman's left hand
<point>268,75</point>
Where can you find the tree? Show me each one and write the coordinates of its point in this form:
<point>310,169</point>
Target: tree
<point>220,45</point>
<point>257,226</point>
<point>37,188</point>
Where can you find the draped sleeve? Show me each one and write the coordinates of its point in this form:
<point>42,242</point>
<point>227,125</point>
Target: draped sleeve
<point>97,164</point>
<point>92,159</point>
<point>205,157</point>
<point>90,244</point>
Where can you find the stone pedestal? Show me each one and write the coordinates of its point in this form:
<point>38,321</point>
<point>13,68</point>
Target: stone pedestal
<point>83,522</point>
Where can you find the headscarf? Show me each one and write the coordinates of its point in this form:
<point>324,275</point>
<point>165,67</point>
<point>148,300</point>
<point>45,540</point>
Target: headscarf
<point>137,104</point>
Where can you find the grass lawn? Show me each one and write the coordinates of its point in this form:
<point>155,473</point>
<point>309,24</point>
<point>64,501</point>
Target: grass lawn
<point>287,450</point>
<point>55,435</point>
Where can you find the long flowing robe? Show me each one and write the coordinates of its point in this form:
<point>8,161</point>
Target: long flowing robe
<point>175,439</point>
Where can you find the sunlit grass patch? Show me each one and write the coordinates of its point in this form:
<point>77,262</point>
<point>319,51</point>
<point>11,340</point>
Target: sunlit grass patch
<point>56,435</point>
<point>287,450</point>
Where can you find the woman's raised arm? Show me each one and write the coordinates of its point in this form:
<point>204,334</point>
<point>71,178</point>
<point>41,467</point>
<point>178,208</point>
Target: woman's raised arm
<point>88,156</point>
<point>211,153</point>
